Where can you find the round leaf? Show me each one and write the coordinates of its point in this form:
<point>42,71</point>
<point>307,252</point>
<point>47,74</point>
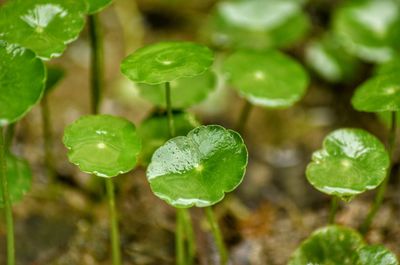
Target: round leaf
<point>45,26</point>
<point>185,92</point>
<point>198,169</point>
<point>369,29</point>
<point>97,5</point>
<point>154,132</point>
<point>257,24</point>
<point>103,145</point>
<point>19,178</point>
<point>376,255</point>
<point>350,162</point>
<point>54,75</point>
<point>22,78</point>
<point>262,77</point>
<point>166,61</point>
<point>380,93</point>
<point>332,245</point>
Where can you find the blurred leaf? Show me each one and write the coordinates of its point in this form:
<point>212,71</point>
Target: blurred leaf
<point>97,5</point>
<point>54,75</point>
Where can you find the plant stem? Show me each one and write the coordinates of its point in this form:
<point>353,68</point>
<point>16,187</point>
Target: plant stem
<point>382,188</point>
<point>179,238</point>
<point>171,126</point>
<point>7,202</point>
<point>114,231</point>
<point>48,138</point>
<point>9,136</point>
<point>333,210</point>
<point>190,237</point>
<point>96,61</point>
<point>223,254</point>
<point>244,116</point>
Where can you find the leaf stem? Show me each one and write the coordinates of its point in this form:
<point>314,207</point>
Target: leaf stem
<point>114,231</point>
<point>223,254</point>
<point>179,237</point>
<point>7,202</point>
<point>333,209</point>
<point>191,248</point>
<point>244,116</point>
<point>48,138</point>
<point>9,135</point>
<point>171,126</point>
<point>96,62</point>
<point>382,188</point>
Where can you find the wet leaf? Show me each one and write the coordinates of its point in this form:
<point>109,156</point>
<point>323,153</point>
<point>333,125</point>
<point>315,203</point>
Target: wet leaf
<point>257,24</point>
<point>97,5</point>
<point>167,61</point>
<point>198,169</point>
<point>262,77</point>
<point>379,93</point>
<point>332,245</point>
<point>154,132</point>
<point>369,29</point>
<point>376,255</point>
<point>19,177</point>
<point>44,26</point>
<point>103,145</point>
<point>54,75</point>
<point>185,92</point>
<point>22,79</point>
<point>350,162</point>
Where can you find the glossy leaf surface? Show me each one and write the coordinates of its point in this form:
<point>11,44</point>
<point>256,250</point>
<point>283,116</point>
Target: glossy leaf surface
<point>97,5</point>
<point>167,61</point>
<point>103,145</point>
<point>22,79</point>
<point>350,162</point>
<point>154,132</point>
<point>185,92</point>
<point>44,26</point>
<point>262,77</point>
<point>54,75</point>
<point>376,255</point>
<point>369,29</point>
<point>257,24</point>
<point>380,93</point>
<point>332,245</point>
<point>19,177</point>
<point>198,169</point>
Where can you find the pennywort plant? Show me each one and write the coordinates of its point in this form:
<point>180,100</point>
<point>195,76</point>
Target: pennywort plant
<point>105,146</point>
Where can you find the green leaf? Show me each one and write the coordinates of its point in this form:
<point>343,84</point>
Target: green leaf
<point>257,24</point>
<point>167,61</point>
<point>380,93</point>
<point>331,245</point>
<point>19,178</point>
<point>22,79</point>
<point>369,29</point>
<point>97,5</point>
<point>154,132</point>
<point>44,26</point>
<point>262,77</point>
<point>54,75</point>
<point>185,92</point>
<point>350,162</point>
<point>329,60</point>
<point>103,145</point>
<point>376,255</point>
<point>198,169</point>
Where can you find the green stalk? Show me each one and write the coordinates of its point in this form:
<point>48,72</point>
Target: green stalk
<point>179,238</point>
<point>48,138</point>
<point>116,251</point>
<point>216,231</point>
<point>244,116</point>
<point>97,62</point>
<point>333,210</point>
<point>188,228</point>
<point>171,126</point>
<point>382,188</point>
<point>7,202</point>
<point>9,136</point>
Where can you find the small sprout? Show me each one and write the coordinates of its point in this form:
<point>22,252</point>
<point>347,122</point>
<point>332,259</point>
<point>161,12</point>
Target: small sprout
<point>167,61</point>
<point>186,91</point>
<point>154,132</point>
<point>257,24</point>
<point>97,5</point>
<point>44,26</point>
<point>380,93</point>
<point>22,82</point>
<point>102,145</point>
<point>54,75</point>
<point>369,29</point>
<point>19,178</point>
<point>376,255</point>
<point>262,77</point>
<point>351,161</point>
<point>198,169</point>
